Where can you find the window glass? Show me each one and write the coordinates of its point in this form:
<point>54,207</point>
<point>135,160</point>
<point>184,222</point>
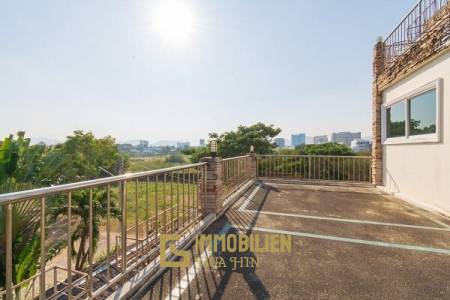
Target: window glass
<point>422,113</point>
<point>395,116</point>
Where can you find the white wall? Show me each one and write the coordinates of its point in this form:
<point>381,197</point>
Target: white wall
<point>421,172</point>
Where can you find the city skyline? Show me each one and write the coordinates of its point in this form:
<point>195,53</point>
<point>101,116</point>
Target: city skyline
<point>115,74</point>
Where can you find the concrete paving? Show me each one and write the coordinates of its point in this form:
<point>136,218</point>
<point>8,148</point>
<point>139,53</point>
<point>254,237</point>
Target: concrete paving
<point>348,242</point>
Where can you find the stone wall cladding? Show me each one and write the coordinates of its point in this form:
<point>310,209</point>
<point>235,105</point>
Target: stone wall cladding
<point>434,39</point>
<point>377,147</point>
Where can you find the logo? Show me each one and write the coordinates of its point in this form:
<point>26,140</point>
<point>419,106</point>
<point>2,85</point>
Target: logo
<point>235,250</point>
<point>184,254</point>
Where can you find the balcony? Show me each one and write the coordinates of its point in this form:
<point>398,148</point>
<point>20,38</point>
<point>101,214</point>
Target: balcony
<point>349,240</point>
<point>414,26</point>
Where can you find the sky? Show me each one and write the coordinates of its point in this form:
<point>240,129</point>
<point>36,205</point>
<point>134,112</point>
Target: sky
<point>115,67</point>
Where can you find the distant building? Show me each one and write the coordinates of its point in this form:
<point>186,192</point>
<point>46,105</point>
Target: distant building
<point>183,145</point>
<point>202,142</point>
<point>143,144</point>
<point>345,138</point>
<point>298,139</point>
<point>281,143</point>
<point>321,139</point>
<point>361,145</point>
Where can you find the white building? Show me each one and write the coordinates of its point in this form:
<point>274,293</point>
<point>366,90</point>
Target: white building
<point>345,137</point>
<point>411,115</point>
<point>320,139</point>
<point>361,145</point>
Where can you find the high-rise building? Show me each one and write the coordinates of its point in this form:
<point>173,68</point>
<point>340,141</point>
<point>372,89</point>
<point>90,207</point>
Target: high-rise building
<point>345,137</point>
<point>281,143</point>
<point>360,145</point>
<point>202,142</point>
<point>321,139</point>
<point>298,139</point>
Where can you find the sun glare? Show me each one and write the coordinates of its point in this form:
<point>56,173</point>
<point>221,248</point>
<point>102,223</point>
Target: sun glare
<point>174,20</point>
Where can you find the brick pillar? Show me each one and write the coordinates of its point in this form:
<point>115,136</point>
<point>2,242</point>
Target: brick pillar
<point>212,199</point>
<point>377,148</point>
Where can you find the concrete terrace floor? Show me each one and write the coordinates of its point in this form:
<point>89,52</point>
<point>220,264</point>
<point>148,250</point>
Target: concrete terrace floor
<point>348,242</point>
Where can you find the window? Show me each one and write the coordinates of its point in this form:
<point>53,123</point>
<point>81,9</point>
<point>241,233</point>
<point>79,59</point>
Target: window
<point>414,117</point>
<point>396,120</point>
<point>422,113</point>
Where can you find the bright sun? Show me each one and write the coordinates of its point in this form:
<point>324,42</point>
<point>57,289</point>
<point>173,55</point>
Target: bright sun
<point>174,20</point>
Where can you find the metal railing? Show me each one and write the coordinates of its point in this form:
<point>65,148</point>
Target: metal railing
<point>235,172</point>
<point>315,167</point>
<point>412,27</point>
<point>118,218</point>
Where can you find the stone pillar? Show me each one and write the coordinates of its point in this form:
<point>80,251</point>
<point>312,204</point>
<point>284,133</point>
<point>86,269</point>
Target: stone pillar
<point>212,198</point>
<point>377,147</point>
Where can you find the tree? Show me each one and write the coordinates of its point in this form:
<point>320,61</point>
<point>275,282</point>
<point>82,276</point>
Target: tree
<point>197,153</point>
<point>80,210</point>
<point>82,157</point>
<point>12,160</point>
<point>19,165</point>
<point>235,143</point>
<point>175,158</point>
<point>325,149</point>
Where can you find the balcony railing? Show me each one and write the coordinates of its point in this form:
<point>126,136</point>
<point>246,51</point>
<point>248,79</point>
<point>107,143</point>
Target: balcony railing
<point>126,215</point>
<point>135,209</point>
<point>235,172</point>
<point>315,167</point>
<point>411,28</point>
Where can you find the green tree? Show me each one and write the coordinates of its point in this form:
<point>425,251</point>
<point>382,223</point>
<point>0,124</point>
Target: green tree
<point>238,142</point>
<point>82,157</point>
<point>197,153</point>
<point>19,165</point>
<point>325,149</point>
<point>80,209</point>
<point>235,143</point>
<point>175,158</point>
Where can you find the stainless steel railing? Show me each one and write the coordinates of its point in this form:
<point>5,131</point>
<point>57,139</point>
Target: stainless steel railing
<point>412,27</point>
<point>315,167</point>
<point>124,215</point>
<point>235,172</point>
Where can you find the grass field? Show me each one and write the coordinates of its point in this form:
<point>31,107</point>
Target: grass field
<point>145,163</point>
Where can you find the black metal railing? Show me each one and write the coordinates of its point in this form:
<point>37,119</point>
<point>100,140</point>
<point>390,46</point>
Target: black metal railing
<point>411,28</point>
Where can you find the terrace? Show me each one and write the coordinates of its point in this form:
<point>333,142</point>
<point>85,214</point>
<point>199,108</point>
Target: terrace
<point>348,239</point>
<point>414,29</point>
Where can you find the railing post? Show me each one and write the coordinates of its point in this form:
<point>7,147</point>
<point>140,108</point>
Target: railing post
<point>212,197</point>
<point>253,165</point>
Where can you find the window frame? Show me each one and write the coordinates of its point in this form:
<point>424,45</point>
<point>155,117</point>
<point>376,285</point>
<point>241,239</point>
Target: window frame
<point>409,139</point>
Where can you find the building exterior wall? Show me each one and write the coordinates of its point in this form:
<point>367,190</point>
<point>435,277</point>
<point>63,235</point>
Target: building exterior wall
<point>298,139</point>
<point>361,145</point>
<point>345,137</point>
<point>420,172</point>
<point>320,139</point>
